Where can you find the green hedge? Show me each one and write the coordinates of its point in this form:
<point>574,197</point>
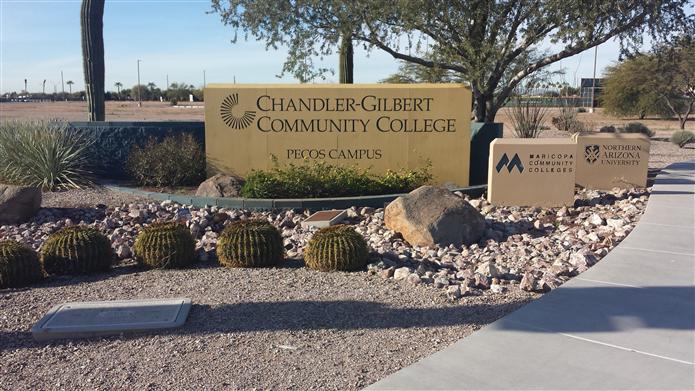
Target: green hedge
<point>320,179</point>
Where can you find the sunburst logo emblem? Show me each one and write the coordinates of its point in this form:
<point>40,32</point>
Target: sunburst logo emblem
<point>232,120</point>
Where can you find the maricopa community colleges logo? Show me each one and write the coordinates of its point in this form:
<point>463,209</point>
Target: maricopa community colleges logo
<point>592,153</point>
<point>228,116</point>
<point>510,164</point>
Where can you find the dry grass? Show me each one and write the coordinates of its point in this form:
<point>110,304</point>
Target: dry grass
<point>115,111</point>
<point>662,127</point>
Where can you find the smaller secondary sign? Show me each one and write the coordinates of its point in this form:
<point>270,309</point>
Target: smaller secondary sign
<point>526,172</point>
<point>608,160</point>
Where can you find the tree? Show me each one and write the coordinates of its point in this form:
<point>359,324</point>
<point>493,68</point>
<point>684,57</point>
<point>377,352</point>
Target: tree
<point>70,83</point>
<point>661,82</point>
<point>492,44</point>
<point>624,91</point>
<point>118,86</point>
<point>92,26</point>
<point>410,72</point>
<point>674,77</point>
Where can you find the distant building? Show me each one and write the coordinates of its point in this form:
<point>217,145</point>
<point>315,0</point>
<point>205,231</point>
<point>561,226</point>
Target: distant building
<point>586,86</point>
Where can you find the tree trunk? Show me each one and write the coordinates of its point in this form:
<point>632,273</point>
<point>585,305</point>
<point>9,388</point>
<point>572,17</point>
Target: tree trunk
<point>484,107</point>
<point>479,106</point>
<point>346,59</point>
<point>92,26</point>
<point>684,119</point>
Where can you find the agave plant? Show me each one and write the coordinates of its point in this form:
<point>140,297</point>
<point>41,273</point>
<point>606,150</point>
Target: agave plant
<point>45,154</point>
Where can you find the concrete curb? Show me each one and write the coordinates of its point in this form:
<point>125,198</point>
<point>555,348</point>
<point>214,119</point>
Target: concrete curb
<point>376,201</point>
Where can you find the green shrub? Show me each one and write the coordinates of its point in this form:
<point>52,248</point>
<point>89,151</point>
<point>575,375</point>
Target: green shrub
<point>76,250</point>
<point>320,179</point>
<point>682,138</point>
<point>19,265</point>
<point>44,154</point>
<point>250,243</point>
<point>165,246</point>
<point>581,110</point>
<point>175,161</point>
<point>637,127</point>
<point>608,129</point>
<point>338,247</point>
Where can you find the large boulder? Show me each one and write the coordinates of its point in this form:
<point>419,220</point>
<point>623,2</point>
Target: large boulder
<point>430,216</point>
<point>18,204</point>
<point>220,185</point>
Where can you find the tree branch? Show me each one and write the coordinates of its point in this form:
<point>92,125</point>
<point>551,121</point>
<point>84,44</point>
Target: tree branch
<point>567,52</point>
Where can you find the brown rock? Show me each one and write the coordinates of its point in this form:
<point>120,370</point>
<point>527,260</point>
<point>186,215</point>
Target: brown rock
<point>386,273</point>
<point>18,204</point>
<point>220,185</point>
<point>428,216</point>
<point>528,282</point>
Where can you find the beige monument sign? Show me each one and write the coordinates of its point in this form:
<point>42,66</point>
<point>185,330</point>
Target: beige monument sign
<point>608,160</point>
<point>369,125</point>
<point>531,172</point>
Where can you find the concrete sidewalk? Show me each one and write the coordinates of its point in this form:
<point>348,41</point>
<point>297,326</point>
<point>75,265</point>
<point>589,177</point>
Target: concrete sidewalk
<point>626,323</point>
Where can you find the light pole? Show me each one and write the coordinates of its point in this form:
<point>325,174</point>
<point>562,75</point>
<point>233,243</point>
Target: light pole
<point>203,78</point>
<point>593,81</point>
<point>43,88</point>
<point>25,86</point>
<point>62,82</point>
<point>139,89</point>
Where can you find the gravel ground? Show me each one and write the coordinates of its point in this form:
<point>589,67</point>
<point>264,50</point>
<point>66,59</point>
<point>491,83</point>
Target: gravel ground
<point>281,328</point>
<point>663,152</point>
<point>88,198</point>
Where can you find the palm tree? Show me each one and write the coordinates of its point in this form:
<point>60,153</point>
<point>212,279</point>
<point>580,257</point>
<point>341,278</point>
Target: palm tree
<point>151,86</point>
<point>70,83</point>
<point>118,86</point>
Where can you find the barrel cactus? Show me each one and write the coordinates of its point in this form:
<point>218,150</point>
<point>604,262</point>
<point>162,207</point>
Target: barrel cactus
<point>166,245</point>
<point>76,250</point>
<point>250,243</point>
<point>336,248</point>
<point>19,265</point>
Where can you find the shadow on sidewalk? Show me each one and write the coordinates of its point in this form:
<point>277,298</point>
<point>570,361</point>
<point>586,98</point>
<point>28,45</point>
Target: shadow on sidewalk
<point>607,309</point>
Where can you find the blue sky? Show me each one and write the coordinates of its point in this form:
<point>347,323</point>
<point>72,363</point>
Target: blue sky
<point>39,38</point>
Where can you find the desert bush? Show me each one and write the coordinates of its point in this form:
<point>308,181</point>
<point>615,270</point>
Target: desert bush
<point>682,138</point>
<point>570,125</point>
<point>250,243</point>
<point>165,245</point>
<point>76,250</point>
<point>45,154</point>
<point>338,247</point>
<point>581,109</point>
<point>608,129</point>
<point>175,161</point>
<point>321,179</point>
<point>19,265</point>
<point>566,120</point>
<point>637,127</point>
<point>528,118</point>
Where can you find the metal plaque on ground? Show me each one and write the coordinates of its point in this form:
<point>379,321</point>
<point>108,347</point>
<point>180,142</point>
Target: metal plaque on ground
<point>324,218</point>
<point>98,318</point>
